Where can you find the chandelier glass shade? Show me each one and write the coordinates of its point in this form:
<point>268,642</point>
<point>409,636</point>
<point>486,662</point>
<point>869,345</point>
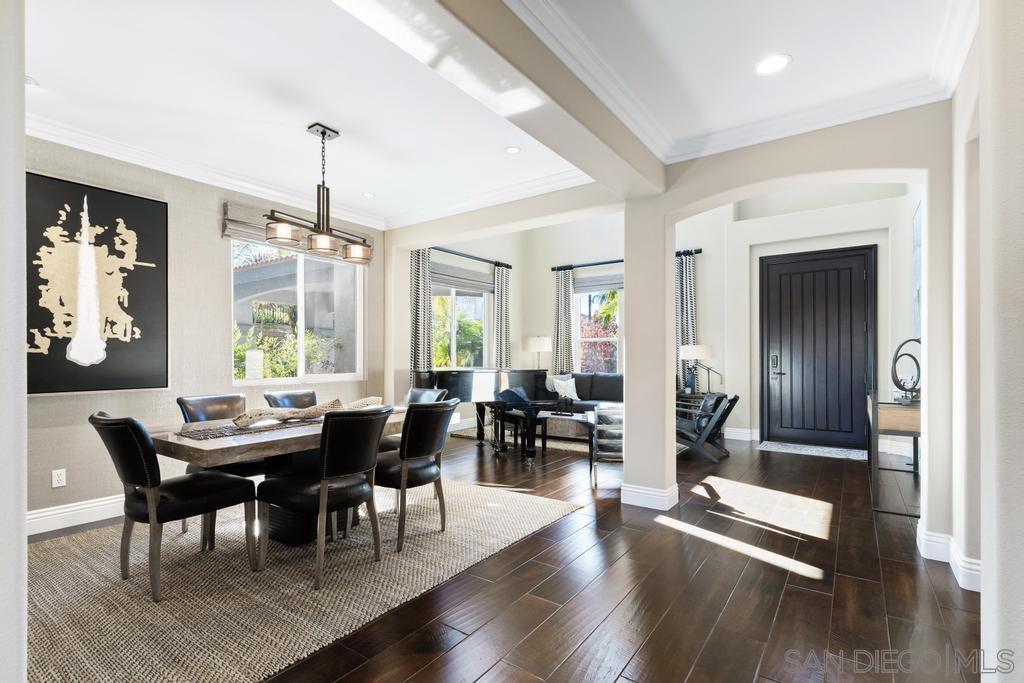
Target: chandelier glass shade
<point>359,254</point>
<point>284,233</point>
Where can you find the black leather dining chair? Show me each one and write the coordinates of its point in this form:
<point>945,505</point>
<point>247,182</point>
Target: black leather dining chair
<point>217,407</point>
<point>417,461</point>
<point>151,500</point>
<point>345,480</point>
<point>301,398</point>
<point>391,442</point>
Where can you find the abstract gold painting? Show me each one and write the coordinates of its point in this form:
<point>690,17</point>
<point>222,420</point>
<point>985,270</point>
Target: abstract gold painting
<point>97,295</point>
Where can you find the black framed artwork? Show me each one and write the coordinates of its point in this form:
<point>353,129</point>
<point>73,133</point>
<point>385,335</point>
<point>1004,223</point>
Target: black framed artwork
<point>97,288</point>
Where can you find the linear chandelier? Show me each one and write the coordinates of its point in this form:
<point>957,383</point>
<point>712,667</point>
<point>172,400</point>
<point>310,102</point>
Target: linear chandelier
<point>319,237</point>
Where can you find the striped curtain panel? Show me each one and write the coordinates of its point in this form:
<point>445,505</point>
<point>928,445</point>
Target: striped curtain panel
<point>502,333</point>
<point>565,323</point>
<point>421,351</point>
<point>686,316</point>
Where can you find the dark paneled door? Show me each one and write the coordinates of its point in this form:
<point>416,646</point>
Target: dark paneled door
<point>817,346</point>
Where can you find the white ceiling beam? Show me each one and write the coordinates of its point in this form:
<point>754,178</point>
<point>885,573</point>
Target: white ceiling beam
<point>483,48</point>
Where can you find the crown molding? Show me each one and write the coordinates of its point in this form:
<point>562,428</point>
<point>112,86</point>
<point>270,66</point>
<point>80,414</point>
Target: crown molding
<point>53,131</point>
<point>510,193</point>
<point>875,103</point>
<point>556,30</point>
<point>958,30</point>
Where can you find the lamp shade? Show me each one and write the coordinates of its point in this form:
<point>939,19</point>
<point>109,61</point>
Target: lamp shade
<point>537,344</point>
<point>695,352</point>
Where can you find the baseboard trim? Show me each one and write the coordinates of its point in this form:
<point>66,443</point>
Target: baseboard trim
<point>967,570</point>
<point>64,516</point>
<point>742,434</point>
<point>942,548</point>
<point>649,497</point>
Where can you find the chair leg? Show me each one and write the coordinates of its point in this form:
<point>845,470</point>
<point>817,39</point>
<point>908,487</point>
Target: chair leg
<point>348,523</point>
<point>250,533</point>
<point>401,507</point>
<point>264,518</point>
<point>155,535</point>
<point>184,525</point>
<point>440,499</point>
<point>321,537</point>
<point>204,529</point>
<point>126,545</point>
<point>371,512</point>
<point>334,525</point>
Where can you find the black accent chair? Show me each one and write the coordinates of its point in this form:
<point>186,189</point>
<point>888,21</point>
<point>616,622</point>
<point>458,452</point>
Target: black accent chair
<point>302,398</point>
<point>392,442</point>
<point>417,462</point>
<point>701,429</point>
<point>348,457</point>
<point>150,500</point>
<point>305,461</point>
<point>217,407</point>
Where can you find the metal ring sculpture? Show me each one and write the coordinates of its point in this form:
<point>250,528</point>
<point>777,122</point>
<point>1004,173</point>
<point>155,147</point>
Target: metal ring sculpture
<point>914,387</point>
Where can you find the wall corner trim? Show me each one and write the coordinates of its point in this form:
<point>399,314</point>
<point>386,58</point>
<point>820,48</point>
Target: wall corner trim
<point>944,548</point>
<point>73,514</point>
<point>649,497</point>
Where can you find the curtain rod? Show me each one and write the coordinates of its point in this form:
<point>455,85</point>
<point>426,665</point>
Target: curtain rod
<point>463,254</point>
<point>574,266</point>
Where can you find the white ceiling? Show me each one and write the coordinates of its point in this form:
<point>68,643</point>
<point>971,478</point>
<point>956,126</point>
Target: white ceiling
<point>680,73</point>
<point>222,92</point>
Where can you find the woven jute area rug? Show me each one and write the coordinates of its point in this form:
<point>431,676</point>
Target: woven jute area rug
<point>220,622</point>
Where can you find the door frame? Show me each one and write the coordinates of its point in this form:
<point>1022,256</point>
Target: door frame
<point>870,252</point>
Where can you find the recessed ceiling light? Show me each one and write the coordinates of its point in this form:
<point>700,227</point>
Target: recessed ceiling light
<point>31,82</point>
<point>369,195</point>
<point>773,64</point>
<point>513,149</point>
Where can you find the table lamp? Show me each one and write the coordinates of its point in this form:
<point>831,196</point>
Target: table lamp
<point>537,346</point>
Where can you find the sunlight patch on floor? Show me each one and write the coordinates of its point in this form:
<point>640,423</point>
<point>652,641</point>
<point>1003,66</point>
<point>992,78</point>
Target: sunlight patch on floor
<point>752,551</point>
<point>776,509</point>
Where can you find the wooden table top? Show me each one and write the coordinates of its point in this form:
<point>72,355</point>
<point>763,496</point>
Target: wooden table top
<point>242,447</point>
<point>898,418</point>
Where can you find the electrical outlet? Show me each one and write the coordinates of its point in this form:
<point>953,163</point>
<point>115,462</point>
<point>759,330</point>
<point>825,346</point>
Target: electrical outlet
<point>58,478</point>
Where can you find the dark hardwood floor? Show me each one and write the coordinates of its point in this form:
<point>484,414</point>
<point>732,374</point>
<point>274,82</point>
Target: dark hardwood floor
<point>773,567</point>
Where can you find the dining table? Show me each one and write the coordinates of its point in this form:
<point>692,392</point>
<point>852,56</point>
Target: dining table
<point>213,443</point>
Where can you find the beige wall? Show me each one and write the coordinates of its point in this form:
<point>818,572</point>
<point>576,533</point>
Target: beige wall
<point>199,320</point>
<point>1001,40</point>
<point>12,341</point>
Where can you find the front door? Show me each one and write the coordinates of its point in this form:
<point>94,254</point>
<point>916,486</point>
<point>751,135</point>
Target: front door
<point>817,346</point>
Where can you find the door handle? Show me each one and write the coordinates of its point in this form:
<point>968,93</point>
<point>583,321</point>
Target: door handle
<point>776,374</point>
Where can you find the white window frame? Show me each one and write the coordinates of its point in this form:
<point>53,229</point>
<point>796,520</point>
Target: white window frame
<point>453,326</point>
<point>618,339</point>
<point>302,378</point>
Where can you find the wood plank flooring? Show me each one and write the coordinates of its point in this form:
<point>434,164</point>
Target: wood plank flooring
<point>772,568</point>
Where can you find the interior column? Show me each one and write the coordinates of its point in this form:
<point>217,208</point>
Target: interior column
<point>12,340</point>
<point>649,468</point>
<point>1002,326</point>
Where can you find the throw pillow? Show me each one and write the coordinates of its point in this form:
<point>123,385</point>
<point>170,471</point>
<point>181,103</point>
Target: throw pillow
<point>549,381</point>
<point>566,388</point>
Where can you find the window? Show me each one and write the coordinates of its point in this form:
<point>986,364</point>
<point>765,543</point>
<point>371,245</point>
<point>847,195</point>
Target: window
<point>277,293</point>
<point>460,324</point>
<point>599,332</point>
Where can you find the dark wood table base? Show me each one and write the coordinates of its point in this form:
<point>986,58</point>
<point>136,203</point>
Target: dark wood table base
<point>297,528</point>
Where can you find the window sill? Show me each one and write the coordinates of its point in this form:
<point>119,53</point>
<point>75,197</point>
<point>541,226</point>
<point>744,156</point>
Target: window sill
<point>307,379</point>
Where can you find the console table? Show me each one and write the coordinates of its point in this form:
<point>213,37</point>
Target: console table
<point>893,419</point>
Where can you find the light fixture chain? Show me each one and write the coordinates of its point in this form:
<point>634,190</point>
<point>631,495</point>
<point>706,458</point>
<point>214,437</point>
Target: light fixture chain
<point>323,157</point>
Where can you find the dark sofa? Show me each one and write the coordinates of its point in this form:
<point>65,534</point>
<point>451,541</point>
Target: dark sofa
<point>592,388</point>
